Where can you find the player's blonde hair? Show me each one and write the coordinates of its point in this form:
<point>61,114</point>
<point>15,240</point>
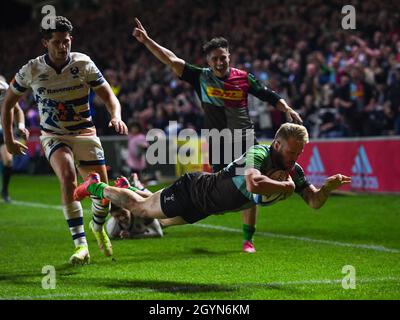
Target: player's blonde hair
<point>292,130</point>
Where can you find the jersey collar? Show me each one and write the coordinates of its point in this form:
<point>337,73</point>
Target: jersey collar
<point>225,77</point>
<point>52,65</point>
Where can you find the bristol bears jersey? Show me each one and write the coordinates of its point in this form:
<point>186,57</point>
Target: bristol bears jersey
<point>3,89</point>
<point>62,95</point>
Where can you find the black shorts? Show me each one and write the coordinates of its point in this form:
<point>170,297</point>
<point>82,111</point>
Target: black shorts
<point>224,161</point>
<point>196,195</point>
<point>176,199</point>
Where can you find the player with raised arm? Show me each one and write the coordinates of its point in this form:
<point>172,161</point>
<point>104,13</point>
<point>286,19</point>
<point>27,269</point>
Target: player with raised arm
<point>60,81</point>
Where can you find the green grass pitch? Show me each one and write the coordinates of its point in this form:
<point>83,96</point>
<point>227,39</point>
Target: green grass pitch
<point>300,252</point>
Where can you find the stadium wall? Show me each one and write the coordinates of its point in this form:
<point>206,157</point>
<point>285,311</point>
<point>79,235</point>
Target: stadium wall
<point>372,163</point>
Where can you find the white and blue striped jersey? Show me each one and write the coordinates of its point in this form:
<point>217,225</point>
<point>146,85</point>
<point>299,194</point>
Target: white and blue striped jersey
<point>61,94</point>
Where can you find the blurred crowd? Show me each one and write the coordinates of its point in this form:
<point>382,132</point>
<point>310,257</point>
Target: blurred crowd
<point>345,83</point>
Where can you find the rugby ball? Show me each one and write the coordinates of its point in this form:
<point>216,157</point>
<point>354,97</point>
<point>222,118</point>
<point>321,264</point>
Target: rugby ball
<point>279,175</point>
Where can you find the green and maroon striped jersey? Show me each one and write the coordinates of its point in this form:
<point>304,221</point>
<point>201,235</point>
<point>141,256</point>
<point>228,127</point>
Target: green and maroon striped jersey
<point>224,100</point>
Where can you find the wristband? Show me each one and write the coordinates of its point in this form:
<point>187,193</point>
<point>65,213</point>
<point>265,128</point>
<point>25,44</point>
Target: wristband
<point>21,126</point>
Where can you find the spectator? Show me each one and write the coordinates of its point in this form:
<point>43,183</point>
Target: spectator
<point>137,146</point>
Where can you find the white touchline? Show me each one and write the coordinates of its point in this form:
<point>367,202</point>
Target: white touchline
<point>263,234</point>
<point>285,236</point>
<point>189,287</point>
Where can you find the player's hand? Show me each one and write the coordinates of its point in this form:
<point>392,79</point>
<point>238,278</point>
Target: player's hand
<point>119,126</point>
<point>16,147</point>
<point>24,132</point>
<point>290,187</point>
<point>293,116</point>
<point>335,182</point>
<point>139,32</point>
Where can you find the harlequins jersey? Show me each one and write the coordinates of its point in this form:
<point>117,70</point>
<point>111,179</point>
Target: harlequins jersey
<point>224,100</point>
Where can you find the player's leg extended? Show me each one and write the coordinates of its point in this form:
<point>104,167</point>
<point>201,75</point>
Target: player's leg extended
<point>100,210</point>
<point>63,165</point>
<point>122,182</point>
<point>170,222</point>
<point>249,228</point>
<point>7,171</point>
<point>139,206</point>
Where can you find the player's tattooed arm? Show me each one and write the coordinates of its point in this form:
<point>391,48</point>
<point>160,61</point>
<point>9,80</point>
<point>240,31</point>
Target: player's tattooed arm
<point>165,55</point>
<point>316,198</point>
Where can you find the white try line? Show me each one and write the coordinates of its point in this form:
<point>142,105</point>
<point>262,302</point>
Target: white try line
<point>192,288</point>
<point>263,234</point>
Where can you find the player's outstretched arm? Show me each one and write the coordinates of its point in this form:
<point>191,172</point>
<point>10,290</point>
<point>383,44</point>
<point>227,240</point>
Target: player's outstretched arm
<point>260,184</point>
<point>114,108</point>
<point>316,198</point>
<point>7,115</point>
<point>163,54</point>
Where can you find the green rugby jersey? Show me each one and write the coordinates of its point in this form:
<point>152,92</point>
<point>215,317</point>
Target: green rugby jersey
<point>224,100</point>
<point>226,190</point>
<point>259,157</point>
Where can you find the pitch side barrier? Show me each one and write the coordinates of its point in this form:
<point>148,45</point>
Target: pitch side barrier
<point>373,163</point>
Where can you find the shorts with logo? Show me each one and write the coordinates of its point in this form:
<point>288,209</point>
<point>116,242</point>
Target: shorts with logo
<point>87,150</point>
<point>176,200</point>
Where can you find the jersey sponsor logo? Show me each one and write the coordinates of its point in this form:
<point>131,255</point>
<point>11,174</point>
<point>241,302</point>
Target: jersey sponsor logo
<point>43,90</point>
<point>225,94</point>
<point>363,177</point>
<point>316,170</point>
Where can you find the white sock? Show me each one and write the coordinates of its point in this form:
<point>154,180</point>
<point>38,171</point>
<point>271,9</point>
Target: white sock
<point>100,213</point>
<point>73,213</point>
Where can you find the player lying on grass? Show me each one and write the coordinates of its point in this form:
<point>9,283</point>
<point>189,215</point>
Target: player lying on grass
<point>270,174</point>
<point>123,224</point>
